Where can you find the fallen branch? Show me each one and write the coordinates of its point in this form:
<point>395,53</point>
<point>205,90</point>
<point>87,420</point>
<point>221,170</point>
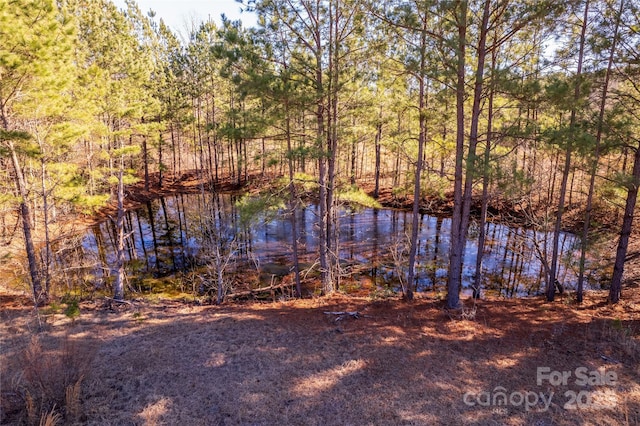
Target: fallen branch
<point>118,301</point>
<point>111,303</point>
<point>259,290</point>
<point>343,314</point>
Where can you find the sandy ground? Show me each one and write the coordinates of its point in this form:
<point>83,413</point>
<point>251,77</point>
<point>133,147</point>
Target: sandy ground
<point>171,363</point>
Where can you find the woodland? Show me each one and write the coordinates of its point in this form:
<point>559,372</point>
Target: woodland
<point>523,111</point>
<point>516,112</point>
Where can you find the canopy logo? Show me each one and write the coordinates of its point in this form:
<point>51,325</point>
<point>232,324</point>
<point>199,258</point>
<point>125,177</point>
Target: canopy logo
<point>599,395</point>
<point>582,377</point>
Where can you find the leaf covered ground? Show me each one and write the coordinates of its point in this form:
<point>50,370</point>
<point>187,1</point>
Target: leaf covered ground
<point>167,362</point>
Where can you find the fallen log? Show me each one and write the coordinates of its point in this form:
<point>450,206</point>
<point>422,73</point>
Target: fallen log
<point>259,290</point>
<point>343,314</point>
<point>122,302</point>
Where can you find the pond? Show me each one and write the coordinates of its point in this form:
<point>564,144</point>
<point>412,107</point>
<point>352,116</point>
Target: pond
<point>183,232</point>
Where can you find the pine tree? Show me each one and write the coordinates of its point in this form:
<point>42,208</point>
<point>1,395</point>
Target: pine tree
<point>115,51</point>
<point>628,95</point>
<point>34,49</point>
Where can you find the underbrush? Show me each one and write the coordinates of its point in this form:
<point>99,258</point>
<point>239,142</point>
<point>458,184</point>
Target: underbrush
<point>46,388</point>
<point>624,336</point>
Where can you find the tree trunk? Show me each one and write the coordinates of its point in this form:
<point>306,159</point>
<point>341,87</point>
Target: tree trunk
<point>332,152</point>
<point>615,292</point>
<point>161,166</point>
<point>220,280</point>
<point>25,214</point>
<point>470,172</point>
<point>47,238</point>
<point>173,150</point>
<point>302,161</point>
<point>327,282</point>
<point>551,279</point>
<point>293,203</point>
<point>145,157</point>
<point>485,185</point>
<point>596,159</point>
<point>118,288</point>
<point>422,118</point>
<point>354,146</point>
<point>378,138</point>
<point>457,241</point>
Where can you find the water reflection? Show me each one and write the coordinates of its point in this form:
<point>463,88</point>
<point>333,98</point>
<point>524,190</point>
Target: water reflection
<point>175,233</point>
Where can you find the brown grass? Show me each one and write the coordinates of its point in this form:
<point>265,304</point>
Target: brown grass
<point>42,381</point>
<point>51,418</point>
<point>290,363</point>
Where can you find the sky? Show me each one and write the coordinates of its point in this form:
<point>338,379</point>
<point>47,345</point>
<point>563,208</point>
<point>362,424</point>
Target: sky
<point>178,14</point>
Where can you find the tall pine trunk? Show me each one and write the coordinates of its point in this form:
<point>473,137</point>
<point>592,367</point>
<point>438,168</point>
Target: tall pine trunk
<point>485,184</point>
<point>48,258</point>
<point>25,214</point>
<point>596,158</point>
<point>378,138</point>
<point>408,291</point>
<point>325,273</point>
<point>470,171</point>
<point>118,288</point>
<point>293,203</point>
<point>615,292</point>
<point>145,158</point>
<point>551,279</point>
<point>332,149</point>
<point>456,251</point>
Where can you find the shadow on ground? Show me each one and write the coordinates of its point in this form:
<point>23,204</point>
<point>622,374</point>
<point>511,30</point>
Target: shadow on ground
<point>291,363</point>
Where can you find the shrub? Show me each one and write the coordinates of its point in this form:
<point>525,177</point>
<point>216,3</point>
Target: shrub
<point>50,381</point>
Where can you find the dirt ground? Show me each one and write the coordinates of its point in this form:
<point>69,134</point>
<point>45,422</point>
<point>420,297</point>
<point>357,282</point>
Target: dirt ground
<point>292,363</point>
<point>297,362</point>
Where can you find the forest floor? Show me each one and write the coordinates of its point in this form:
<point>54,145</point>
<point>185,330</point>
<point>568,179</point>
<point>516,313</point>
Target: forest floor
<point>298,362</point>
<point>156,361</point>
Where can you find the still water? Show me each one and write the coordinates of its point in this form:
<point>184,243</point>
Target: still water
<point>182,231</point>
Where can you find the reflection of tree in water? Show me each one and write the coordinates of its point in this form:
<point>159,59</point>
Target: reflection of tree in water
<point>206,230</point>
<point>76,266</point>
